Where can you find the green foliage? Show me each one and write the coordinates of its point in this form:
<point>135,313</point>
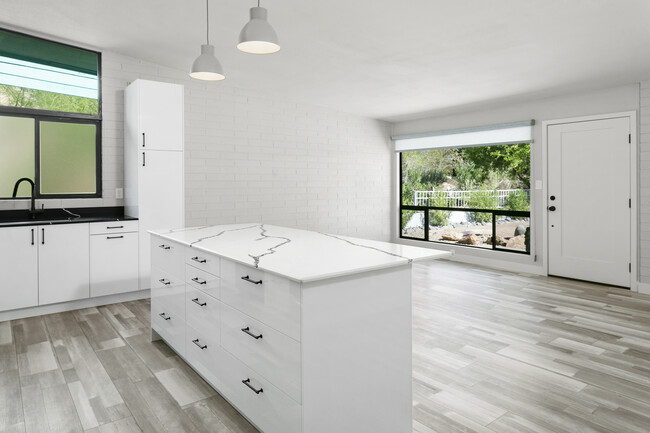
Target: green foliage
<point>482,200</point>
<point>512,159</point>
<point>468,176</point>
<point>434,176</point>
<point>517,200</point>
<point>439,218</point>
<point>29,98</point>
<point>406,217</point>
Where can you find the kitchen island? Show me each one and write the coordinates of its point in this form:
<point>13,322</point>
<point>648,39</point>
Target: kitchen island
<point>301,331</point>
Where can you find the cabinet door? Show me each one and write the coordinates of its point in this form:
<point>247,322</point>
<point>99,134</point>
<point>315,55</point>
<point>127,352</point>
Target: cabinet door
<point>161,195</point>
<point>18,268</point>
<point>113,263</point>
<point>63,263</point>
<point>161,116</point>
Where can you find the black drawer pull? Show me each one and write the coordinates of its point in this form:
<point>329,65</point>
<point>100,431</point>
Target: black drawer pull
<point>164,247</point>
<point>114,237</point>
<point>247,278</point>
<point>199,259</point>
<point>165,317</point>
<point>165,282</point>
<point>247,330</point>
<point>247,382</point>
<point>205,346</point>
<point>199,303</point>
<point>115,227</point>
<point>196,280</point>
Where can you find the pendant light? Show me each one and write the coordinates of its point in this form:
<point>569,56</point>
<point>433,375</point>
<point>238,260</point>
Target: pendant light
<point>257,36</point>
<point>206,66</point>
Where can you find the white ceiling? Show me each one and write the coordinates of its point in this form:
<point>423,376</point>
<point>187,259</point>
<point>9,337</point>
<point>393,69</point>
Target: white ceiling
<point>387,59</point>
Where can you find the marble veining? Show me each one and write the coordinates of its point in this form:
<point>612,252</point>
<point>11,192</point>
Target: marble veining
<point>300,255</point>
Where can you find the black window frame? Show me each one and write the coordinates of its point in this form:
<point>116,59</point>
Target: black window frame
<point>62,117</point>
<point>426,209</point>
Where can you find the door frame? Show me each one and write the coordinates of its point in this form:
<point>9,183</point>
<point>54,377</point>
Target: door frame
<point>634,175</point>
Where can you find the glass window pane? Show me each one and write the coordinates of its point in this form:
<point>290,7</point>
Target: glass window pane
<point>513,233</point>
<point>413,224</point>
<point>16,154</point>
<point>68,155</point>
<point>461,228</point>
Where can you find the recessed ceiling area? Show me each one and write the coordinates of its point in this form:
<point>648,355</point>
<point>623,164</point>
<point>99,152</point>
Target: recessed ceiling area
<point>388,59</point>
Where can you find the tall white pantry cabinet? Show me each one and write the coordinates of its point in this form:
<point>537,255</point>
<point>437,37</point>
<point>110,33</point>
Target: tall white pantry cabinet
<point>153,161</point>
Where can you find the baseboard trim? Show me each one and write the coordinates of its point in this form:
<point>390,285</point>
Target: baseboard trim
<point>73,305</point>
<point>643,288</point>
<point>499,264</point>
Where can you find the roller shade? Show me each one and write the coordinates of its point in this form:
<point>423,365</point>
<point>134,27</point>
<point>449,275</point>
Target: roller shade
<point>505,133</point>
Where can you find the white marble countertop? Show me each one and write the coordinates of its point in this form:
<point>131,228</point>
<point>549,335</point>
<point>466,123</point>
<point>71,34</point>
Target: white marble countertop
<point>300,255</point>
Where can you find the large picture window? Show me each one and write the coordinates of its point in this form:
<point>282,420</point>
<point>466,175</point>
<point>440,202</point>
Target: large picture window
<point>472,195</point>
<point>50,118</point>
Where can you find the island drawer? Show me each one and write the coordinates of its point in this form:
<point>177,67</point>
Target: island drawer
<point>202,260</point>
<point>168,256</point>
<point>273,300</point>
<point>104,228</point>
<point>169,325</point>
<point>266,351</point>
<point>203,281</point>
<point>204,355</point>
<point>203,312</point>
<point>271,410</point>
<point>168,290</point>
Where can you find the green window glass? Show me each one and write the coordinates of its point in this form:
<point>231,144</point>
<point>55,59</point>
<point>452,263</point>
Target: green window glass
<point>16,154</point>
<point>67,158</point>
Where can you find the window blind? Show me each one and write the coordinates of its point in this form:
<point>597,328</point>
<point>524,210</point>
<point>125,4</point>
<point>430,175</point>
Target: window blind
<point>490,135</point>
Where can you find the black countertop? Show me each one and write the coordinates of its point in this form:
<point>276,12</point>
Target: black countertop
<point>22,217</point>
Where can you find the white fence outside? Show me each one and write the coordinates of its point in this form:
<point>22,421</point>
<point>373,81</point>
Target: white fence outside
<point>461,198</point>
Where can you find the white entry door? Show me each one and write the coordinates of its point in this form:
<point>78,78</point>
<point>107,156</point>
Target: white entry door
<point>589,200</point>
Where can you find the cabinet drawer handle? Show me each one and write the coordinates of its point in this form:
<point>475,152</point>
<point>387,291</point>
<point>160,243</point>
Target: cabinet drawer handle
<point>247,382</point>
<point>196,280</point>
<point>247,330</point>
<point>32,236</point>
<point>165,282</point>
<point>144,160</point>
<point>247,278</point>
<point>199,259</point>
<point>202,347</point>
<point>114,237</point>
<point>144,139</point>
<point>164,316</point>
<point>114,227</point>
<point>199,303</point>
<point>164,247</point>
<point>42,236</point>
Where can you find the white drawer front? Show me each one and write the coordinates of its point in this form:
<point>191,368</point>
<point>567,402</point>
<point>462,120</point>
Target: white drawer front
<point>205,355</point>
<point>268,298</point>
<point>108,227</point>
<point>169,325</point>
<point>168,256</point>
<point>203,281</point>
<point>208,262</point>
<point>203,312</point>
<point>266,351</point>
<point>168,290</point>
<point>269,409</point>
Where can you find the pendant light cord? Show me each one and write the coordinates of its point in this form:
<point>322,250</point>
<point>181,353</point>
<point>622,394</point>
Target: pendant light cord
<point>207,22</point>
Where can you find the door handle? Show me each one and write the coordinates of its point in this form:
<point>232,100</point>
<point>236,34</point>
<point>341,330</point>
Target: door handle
<point>551,208</point>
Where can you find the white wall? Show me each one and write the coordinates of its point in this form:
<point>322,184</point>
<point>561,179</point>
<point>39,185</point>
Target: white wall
<point>253,158</point>
<point>618,99</point>
<point>644,184</point>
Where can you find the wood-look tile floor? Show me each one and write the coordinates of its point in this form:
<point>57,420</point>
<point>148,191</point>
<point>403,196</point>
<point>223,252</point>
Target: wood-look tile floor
<point>492,352</point>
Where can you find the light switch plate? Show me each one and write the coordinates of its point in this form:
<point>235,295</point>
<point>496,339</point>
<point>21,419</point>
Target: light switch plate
<point>119,193</point>
<point>538,184</point>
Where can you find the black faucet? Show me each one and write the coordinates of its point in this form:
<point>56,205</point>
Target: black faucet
<point>32,209</point>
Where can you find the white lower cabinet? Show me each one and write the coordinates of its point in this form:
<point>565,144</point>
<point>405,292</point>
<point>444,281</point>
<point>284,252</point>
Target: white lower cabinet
<point>63,263</point>
<point>113,258</point>
<point>18,268</point>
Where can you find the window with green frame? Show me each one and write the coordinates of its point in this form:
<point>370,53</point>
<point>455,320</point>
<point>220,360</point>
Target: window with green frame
<point>50,118</point>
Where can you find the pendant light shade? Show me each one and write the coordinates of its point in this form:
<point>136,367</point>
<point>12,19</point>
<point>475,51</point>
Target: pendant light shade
<point>206,66</point>
<point>257,36</point>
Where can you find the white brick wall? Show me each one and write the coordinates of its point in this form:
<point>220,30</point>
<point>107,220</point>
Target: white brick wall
<point>644,183</point>
<point>255,158</point>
